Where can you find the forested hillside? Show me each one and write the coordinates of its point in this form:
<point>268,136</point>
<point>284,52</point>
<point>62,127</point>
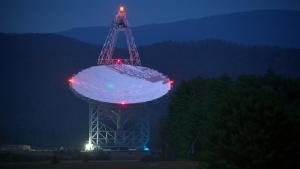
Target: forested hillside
<point>249,122</point>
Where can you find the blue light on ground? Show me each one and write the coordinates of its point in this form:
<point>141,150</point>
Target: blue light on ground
<point>146,148</point>
<point>110,86</point>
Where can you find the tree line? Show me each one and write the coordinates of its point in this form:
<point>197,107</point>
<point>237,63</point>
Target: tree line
<point>251,121</point>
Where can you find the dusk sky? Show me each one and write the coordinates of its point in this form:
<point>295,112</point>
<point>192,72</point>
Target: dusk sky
<point>55,15</point>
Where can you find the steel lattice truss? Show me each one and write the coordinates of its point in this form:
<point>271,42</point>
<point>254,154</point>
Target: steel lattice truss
<point>112,128</point>
<point>119,24</point>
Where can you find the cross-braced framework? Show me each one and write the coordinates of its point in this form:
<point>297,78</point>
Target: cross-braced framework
<point>119,24</point>
<point>111,128</point>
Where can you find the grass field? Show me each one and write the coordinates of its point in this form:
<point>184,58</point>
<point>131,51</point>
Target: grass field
<point>103,165</point>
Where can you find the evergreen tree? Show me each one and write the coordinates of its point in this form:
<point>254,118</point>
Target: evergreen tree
<point>251,127</point>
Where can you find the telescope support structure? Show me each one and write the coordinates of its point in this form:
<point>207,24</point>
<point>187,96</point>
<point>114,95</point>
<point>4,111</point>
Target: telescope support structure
<point>119,24</point>
<point>113,128</point>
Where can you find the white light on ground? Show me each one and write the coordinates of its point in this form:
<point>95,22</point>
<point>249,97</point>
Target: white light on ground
<point>89,147</point>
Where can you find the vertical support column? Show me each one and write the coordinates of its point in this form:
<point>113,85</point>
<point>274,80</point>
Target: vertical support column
<point>107,51</point>
<point>93,126</point>
<point>90,125</point>
<point>133,52</point>
<point>97,124</point>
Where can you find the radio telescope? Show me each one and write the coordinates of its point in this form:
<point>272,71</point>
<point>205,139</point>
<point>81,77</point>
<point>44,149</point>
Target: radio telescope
<point>114,89</point>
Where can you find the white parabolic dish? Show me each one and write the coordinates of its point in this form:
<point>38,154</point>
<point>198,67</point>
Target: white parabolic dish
<point>120,84</point>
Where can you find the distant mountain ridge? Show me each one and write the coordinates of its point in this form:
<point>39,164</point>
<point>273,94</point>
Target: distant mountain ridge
<point>260,27</point>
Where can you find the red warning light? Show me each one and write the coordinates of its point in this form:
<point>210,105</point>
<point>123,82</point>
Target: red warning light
<point>119,61</point>
<point>171,82</point>
<point>71,80</point>
<point>123,103</point>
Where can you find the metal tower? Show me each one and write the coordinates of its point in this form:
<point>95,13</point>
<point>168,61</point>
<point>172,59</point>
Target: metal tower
<point>110,127</point>
<point>114,128</point>
<point>119,24</point>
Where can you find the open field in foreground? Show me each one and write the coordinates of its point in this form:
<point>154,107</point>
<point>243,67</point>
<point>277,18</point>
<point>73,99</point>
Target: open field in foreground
<point>104,165</point>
